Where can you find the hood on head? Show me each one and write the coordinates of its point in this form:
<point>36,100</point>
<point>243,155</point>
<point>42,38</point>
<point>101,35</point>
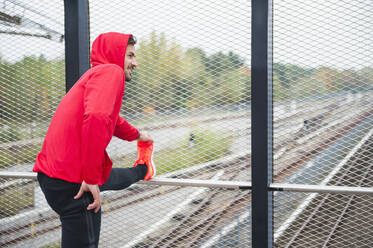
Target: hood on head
<point>109,48</point>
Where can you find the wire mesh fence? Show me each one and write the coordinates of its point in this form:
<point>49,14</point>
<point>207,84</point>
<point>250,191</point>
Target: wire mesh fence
<point>32,75</point>
<point>179,217</point>
<point>32,82</point>
<point>191,87</point>
<point>322,220</point>
<point>323,120</point>
<point>140,216</point>
<point>26,219</point>
<point>191,90</point>
<point>322,86</point>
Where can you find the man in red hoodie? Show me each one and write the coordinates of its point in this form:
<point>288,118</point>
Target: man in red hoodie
<point>73,165</point>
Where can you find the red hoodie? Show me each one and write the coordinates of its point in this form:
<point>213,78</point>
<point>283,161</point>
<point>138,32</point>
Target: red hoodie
<point>87,118</point>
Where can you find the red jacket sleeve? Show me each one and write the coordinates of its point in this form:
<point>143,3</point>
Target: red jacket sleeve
<point>125,131</point>
<point>102,93</point>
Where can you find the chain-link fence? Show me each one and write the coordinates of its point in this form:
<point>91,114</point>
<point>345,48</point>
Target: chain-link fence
<point>192,90</point>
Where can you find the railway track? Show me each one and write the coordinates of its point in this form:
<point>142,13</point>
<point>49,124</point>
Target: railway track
<point>202,217</point>
<point>11,235</point>
<point>216,208</point>
<point>202,222</point>
<point>336,220</point>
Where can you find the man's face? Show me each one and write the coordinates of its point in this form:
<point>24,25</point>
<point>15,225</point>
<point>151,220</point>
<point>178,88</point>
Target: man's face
<point>129,62</point>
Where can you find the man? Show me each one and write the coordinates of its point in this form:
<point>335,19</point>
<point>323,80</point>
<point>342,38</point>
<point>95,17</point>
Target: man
<point>73,164</point>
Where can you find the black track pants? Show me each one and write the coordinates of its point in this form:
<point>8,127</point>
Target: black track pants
<point>81,227</point>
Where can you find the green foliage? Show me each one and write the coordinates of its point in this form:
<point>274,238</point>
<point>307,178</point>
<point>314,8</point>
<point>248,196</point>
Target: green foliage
<point>289,74</point>
<point>30,89</point>
<point>230,88</point>
<point>169,78</point>
<point>290,81</point>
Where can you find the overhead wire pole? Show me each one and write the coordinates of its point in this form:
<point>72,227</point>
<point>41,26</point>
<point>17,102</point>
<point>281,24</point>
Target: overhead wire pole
<point>29,19</point>
<point>76,40</point>
<point>262,124</point>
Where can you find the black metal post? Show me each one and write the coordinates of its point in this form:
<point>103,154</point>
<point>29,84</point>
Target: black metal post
<point>262,117</point>
<point>76,40</point>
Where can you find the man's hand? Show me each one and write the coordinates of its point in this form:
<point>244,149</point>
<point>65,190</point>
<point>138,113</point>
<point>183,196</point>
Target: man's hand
<point>95,190</point>
<point>145,136</point>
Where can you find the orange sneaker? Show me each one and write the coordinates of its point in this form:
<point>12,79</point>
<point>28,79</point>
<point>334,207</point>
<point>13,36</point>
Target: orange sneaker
<point>145,156</point>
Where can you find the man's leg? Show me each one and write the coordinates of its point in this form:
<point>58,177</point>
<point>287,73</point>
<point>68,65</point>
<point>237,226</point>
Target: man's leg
<point>80,227</point>
<point>121,178</point>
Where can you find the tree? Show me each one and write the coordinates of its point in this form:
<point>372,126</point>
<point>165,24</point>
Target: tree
<point>30,89</point>
<point>348,80</point>
<point>219,62</point>
<point>366,78</point>
<point>310,86</point>
<point>7,90</point>
<point>158,80</point>
<point>231,88</point>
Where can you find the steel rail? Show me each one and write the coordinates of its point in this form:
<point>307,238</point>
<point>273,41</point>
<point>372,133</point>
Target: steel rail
<point>143,235</point>
<point>323,188</point>
<point>232,206</point>
<point>174,235</point>
<point>352,169</point>
<point>317,208</point>
<point>351,198</point>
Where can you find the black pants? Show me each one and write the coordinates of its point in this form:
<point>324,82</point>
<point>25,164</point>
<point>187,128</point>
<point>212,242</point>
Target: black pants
<point>81,227</point>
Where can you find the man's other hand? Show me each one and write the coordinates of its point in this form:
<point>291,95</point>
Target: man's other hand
<point>95,190</point>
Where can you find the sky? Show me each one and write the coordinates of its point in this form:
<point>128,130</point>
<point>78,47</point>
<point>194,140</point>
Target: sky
<point>308,33</point>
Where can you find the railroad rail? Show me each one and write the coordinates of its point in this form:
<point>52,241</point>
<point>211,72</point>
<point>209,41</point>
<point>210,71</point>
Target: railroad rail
<point>340,220</point>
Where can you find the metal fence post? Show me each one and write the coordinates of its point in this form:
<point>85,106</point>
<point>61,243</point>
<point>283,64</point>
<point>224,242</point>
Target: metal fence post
<point>262,116</point>
<point>76,40</point>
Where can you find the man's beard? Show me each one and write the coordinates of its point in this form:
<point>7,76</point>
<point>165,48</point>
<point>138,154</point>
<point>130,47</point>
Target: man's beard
<point>127,79</point>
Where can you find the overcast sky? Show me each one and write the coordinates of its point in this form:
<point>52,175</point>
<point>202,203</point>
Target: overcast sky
<point>308,33</point>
